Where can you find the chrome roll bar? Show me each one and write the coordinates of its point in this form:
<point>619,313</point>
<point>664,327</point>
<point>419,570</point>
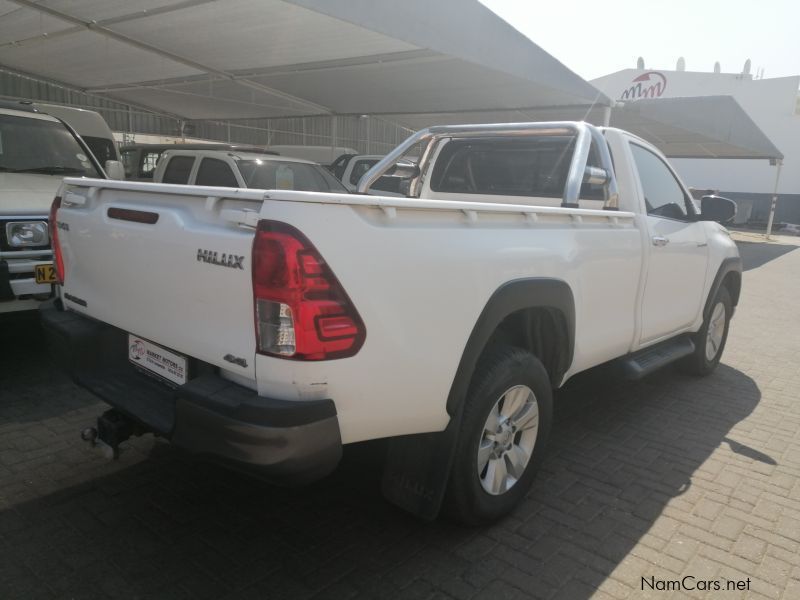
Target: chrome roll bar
<point>584,133</point>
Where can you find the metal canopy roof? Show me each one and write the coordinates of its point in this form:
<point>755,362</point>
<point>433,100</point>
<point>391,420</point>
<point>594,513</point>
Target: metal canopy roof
<point>691,127</point>
<point>226,59</point>
<point>696,127</point>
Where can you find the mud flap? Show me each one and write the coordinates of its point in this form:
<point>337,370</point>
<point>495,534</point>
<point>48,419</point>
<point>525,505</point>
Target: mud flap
<point>417,469</point>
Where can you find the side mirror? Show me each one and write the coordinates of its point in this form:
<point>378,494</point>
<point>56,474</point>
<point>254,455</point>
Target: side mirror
<point>114,169</point>
<point>717,208</point>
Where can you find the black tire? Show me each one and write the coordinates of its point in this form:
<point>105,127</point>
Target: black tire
<point>698,363</point>
<point>501,369</point>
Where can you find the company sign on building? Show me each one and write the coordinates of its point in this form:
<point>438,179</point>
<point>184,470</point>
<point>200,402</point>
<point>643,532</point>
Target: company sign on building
<point>770,103</point>
<point>651,84</point>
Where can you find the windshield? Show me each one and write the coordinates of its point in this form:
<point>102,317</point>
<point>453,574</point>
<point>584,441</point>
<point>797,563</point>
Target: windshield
<point>285,175</point>
<point>30,145</point>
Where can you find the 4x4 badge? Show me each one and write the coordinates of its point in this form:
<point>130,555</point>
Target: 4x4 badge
<point>234,261</point>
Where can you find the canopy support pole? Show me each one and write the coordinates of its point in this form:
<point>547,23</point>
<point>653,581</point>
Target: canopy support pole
<point>333,137</point>
<point>774,199</point>
<point>606,116</point>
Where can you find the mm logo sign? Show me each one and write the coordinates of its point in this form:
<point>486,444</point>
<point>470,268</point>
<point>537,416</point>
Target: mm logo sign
<point>647,85</point>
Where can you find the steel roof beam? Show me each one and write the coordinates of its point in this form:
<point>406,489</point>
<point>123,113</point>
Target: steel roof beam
<point>141,14</point>
<point>125,39</point>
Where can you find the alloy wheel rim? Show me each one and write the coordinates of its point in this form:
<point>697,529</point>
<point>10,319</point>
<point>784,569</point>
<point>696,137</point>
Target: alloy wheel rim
<point>716,329</point>
<point>507,440</point>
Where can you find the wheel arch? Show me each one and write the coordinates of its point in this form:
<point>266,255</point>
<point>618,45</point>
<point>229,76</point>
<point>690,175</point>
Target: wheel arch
<point>520,297</point>
<point>729,275</point>
<point>418,466</point>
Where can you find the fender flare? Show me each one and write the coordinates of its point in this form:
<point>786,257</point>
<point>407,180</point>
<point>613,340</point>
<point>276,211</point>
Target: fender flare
<point>418,466</point>
<point>732,264</point>
<point>515,295</point>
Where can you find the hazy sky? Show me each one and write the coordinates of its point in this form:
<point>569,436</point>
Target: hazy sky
<point>600,37</point>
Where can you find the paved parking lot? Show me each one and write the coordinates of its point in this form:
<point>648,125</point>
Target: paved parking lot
<point>669,477</point>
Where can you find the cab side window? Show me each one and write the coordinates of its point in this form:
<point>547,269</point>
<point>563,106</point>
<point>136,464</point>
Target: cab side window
<point>215,172</point>
<point>663,195</point>
<point>178,169</point>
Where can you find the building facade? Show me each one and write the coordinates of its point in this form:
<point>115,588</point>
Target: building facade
<point>771,103</point>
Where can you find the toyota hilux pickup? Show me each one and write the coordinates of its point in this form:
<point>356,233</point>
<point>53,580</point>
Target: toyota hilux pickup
<point>268,328</point>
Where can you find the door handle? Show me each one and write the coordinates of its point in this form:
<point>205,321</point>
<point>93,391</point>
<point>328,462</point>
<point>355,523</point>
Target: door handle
<point>660,241</point>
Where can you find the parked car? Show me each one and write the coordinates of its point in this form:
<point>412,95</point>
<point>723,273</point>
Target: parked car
<point>36,151</point>
<point>268,328</point>
<point>338,166</point>
<point>227,168</point>
<point>140,160</point>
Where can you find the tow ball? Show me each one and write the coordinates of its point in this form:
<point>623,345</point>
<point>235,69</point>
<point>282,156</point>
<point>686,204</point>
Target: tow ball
<point>112,429</point>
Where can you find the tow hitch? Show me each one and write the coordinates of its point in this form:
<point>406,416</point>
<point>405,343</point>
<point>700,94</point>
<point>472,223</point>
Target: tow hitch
<point>112,429</point>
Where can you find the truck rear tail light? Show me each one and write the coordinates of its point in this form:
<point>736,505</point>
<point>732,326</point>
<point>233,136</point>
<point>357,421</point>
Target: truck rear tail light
<point>301,310</point>
<point>58,257</point>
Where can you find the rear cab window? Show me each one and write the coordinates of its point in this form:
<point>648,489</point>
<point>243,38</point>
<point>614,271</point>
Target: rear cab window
<point>531,167</point>
<point>178,169</point>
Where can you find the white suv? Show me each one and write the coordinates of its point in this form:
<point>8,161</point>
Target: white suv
<point>36,152</point>
<point>227,168</point>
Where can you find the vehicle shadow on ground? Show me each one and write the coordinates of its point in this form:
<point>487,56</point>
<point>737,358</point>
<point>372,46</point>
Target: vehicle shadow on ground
<point>756,254</point>
<point>31,388</point>
<point>165,525</point>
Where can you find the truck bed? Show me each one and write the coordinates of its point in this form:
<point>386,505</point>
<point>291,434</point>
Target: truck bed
<point>418,271</point>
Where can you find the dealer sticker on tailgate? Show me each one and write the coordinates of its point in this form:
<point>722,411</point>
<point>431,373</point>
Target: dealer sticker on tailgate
<point>155,359</point>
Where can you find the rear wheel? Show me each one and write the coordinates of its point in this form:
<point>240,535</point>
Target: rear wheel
<point>710,340</point>
<point>506,421</point>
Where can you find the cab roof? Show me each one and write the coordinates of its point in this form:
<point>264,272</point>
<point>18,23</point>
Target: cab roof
<point>237,155</point>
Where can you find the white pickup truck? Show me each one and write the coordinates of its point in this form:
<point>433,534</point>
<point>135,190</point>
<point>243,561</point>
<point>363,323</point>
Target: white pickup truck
<point>269,328</point>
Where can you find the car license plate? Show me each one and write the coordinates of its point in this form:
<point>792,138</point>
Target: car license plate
<point>158,360</point>
<point>45,273</point>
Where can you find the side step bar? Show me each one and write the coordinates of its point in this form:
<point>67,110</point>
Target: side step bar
<point>642,363</point>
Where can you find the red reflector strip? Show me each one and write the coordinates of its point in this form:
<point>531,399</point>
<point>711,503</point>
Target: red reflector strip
<point>58,257</point>
<point>335,328</point>
<point>136,216</point>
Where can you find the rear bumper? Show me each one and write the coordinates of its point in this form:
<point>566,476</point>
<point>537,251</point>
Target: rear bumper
<point>283,441</point>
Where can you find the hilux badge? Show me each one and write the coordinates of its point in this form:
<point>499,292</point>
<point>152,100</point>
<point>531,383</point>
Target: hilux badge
<point>234,261</point>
